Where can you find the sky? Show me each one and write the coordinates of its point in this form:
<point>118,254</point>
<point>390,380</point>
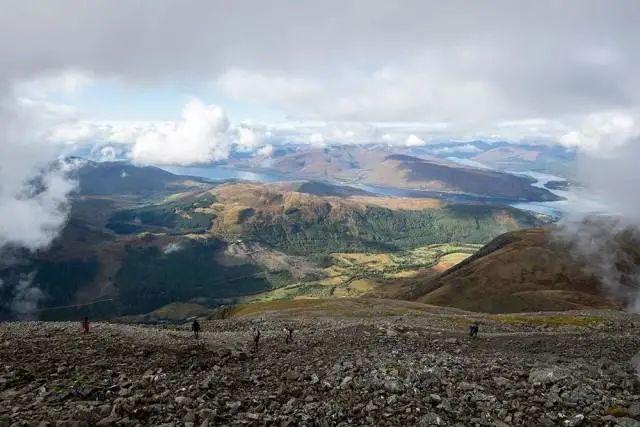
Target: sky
<point>166,82</point>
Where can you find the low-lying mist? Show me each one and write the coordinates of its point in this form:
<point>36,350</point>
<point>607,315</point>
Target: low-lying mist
<point>609,166</point>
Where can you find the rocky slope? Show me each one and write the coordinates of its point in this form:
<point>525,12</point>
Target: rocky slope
<point>381,363</point>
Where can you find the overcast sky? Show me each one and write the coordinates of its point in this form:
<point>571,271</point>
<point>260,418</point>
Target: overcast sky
<point>183,82</point>
<point>466,69</point>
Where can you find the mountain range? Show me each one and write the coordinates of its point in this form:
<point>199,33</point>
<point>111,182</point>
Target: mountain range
<point>377,167</point>
<point>140,238</point>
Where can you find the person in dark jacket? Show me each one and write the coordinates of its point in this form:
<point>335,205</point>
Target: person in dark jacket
<point>256,338</point>
<point>474,328</point>
<point>195,327</point>
<point>85,325</point>
<point>289,331</point>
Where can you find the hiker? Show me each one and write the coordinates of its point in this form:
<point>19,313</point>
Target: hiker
<point>473,329</point>
<point>289,331</point>
<point>195,327</point>
<point>256,338</point>
<point>85,325</point>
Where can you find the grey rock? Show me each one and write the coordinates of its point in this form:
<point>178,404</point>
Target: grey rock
<point>547,375</point>
<point>184,400</point>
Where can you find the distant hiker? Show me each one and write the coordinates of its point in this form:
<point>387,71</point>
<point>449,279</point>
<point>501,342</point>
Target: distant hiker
<point>473,329</point>
<point>195,327</point>
<point>85,325</point>
<point>289,331</point>
<point>256,338</point>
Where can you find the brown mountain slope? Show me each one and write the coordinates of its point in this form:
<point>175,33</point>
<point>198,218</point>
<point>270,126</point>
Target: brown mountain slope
<point>527,270</point>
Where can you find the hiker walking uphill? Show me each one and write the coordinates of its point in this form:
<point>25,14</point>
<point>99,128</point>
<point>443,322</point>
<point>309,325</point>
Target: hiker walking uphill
<point>195,327</point>
<point>474,328</point>
<point>85,325</point>
<point>289,331</point>
<point>256,338</point>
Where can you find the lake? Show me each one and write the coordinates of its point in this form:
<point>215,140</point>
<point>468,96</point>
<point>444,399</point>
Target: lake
<point>576,201</point>
<point>223,173</point>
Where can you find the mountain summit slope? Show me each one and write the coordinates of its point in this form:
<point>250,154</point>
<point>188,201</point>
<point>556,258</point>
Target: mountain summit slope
<point>365,363</point>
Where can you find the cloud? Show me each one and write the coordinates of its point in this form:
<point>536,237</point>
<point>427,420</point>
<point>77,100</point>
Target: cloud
<point>249,139</point>
<point>609,149</point>
<point>107,154</point>
<point>399,93</point>
<point>316,139</point>
<point>63,82</point>
<point>602,245</point>
<point>443,71</point>
<point>425,61</point>
<point>483,74</point>
<point>603,133</point>
<point>283,90</point>
<point>26,295</point>
<point>200,137</point>
<point>265,151</point>
<point>33,187</point>
<point>414,141</point>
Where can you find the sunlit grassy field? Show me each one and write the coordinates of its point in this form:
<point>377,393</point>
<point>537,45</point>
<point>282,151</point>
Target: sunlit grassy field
<point>358,274</point>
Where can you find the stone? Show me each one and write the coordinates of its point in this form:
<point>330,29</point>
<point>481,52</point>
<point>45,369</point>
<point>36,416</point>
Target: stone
<point>431,419</point>
<point>184,400</point>
<point>346,382</point>
<point>627,422</point>
<point>546,375</point>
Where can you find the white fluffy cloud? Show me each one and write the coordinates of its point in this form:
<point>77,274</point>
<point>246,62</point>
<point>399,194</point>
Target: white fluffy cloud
<point>33,193</point>
<point>249,139</point>
<point>609,148</point>
<point>414,141</point>
<point>602,134</point>
<point>200,137</point>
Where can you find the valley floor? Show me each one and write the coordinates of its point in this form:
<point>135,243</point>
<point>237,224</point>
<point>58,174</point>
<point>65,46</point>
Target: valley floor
<point>362,362</point>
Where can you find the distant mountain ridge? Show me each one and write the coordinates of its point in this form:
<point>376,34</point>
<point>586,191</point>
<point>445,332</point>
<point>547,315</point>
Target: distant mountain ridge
<point>104,178</point>
<point>382,168</point>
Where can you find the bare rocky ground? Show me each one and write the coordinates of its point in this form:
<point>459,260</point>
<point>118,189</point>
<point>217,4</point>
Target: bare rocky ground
<point>413,369</point>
